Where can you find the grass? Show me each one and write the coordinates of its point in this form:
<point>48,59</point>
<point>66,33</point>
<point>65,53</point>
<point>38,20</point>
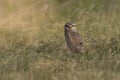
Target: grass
<point>32,44</point>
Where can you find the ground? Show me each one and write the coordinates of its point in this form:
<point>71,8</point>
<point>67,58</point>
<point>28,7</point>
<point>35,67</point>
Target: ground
<point>32,43</point>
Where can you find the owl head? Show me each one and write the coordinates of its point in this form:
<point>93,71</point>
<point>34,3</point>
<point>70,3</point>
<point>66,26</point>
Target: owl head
<point>70,26</point>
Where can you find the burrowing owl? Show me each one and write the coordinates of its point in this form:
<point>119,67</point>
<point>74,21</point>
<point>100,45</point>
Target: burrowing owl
<point>73,39</point>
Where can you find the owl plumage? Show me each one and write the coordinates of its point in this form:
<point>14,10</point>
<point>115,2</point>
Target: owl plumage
<point>73,39</point>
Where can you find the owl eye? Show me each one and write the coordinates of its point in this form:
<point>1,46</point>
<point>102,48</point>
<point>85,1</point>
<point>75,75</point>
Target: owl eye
<point>81,43</point>
<point>67,26</point>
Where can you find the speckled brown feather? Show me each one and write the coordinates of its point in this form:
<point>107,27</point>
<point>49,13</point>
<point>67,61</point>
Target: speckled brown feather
<point>76,44</point>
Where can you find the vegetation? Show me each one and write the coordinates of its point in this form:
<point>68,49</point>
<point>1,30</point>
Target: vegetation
<point>32,44</point>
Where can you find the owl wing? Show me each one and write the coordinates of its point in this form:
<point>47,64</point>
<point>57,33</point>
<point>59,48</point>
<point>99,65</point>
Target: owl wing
<point>76,41</point>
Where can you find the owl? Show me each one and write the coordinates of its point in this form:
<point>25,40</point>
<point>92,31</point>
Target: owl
<point>73,39</point>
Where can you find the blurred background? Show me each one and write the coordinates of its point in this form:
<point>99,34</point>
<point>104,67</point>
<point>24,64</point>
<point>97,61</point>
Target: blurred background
<point>32,45</point>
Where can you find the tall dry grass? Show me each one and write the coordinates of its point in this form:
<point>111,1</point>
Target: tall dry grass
<point>32,45</point>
